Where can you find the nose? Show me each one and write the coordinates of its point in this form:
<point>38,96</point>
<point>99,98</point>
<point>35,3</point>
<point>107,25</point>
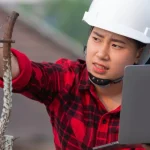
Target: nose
<point>103,52</point>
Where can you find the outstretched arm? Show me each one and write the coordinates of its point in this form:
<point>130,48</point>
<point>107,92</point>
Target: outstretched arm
<point>39,81</point>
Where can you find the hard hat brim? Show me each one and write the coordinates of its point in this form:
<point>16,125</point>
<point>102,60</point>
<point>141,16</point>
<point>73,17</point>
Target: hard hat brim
<point>115,27</point>
<point>121,30</point>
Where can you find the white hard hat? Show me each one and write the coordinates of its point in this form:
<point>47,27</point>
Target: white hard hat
<point>130,18</point>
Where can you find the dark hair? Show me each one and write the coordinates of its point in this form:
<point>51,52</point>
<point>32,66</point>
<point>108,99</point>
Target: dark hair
<point>139,44</point>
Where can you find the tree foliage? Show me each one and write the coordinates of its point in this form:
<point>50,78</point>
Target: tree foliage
<point>66,15</point>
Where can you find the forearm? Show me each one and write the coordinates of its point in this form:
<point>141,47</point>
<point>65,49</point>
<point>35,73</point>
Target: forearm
<point>14,64</point>
<point>38,81</point>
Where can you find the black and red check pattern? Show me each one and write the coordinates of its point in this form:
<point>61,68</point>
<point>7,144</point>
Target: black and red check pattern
<point>79,119</point>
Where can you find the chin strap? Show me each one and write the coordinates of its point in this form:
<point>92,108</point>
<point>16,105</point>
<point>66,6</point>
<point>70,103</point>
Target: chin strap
<point>103,82</point>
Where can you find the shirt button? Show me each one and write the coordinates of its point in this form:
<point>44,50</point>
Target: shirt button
<point>104,121</point>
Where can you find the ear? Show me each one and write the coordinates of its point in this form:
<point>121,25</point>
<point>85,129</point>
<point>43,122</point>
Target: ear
<point>138,54</point>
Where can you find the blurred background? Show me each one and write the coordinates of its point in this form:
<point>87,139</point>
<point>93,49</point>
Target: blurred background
<point>45,31</point>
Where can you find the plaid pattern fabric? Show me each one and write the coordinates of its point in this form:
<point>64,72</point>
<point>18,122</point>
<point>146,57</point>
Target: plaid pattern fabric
<point>79,119</point>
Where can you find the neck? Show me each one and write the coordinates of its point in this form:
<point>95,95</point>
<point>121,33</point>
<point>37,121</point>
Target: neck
<point>110,96</point>
<point>112,90</point>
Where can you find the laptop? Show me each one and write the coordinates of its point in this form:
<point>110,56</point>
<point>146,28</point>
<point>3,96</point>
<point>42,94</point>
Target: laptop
<point>134,126</point>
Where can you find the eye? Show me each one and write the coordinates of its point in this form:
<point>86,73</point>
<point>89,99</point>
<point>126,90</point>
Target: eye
<point>96,39</point>
<point>117,46</point>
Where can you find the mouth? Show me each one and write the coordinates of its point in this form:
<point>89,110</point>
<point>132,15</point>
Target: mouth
<point>99,68</point>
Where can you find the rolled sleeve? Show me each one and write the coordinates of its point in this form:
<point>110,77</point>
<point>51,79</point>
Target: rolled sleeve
<point>25,71</point>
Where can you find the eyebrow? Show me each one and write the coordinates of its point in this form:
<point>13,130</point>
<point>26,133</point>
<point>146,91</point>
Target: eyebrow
<point>114,40</point>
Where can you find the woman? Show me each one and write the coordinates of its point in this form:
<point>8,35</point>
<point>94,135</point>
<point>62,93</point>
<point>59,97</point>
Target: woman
<point>83,98</point>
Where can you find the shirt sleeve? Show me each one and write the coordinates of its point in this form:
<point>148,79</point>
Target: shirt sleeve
<point>41,81</point>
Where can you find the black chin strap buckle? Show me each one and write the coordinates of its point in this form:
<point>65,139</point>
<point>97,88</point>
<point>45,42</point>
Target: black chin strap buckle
<point>103,82</point>
<point>98,81</point>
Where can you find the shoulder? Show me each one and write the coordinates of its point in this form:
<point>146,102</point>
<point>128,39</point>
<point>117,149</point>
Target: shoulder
<point>71,64</point>
<point>72,71</point>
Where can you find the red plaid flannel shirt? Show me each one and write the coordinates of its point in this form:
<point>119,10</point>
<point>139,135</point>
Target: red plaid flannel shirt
<point>79,119</point>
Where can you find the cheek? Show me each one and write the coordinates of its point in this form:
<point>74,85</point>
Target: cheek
<point>90,51</point>
<point>120,61</point>
<point>88,56</point>
<point>123,59</point>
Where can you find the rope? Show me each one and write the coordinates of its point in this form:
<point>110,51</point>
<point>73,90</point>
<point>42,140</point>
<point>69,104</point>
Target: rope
<point>6,142</point>
<point>7,103</point>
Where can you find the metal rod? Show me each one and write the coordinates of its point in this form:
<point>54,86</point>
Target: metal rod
<point>6,41</point>
<point>7,79</point>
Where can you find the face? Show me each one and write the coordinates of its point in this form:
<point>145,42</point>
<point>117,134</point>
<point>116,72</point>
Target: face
<point>108,53</point>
